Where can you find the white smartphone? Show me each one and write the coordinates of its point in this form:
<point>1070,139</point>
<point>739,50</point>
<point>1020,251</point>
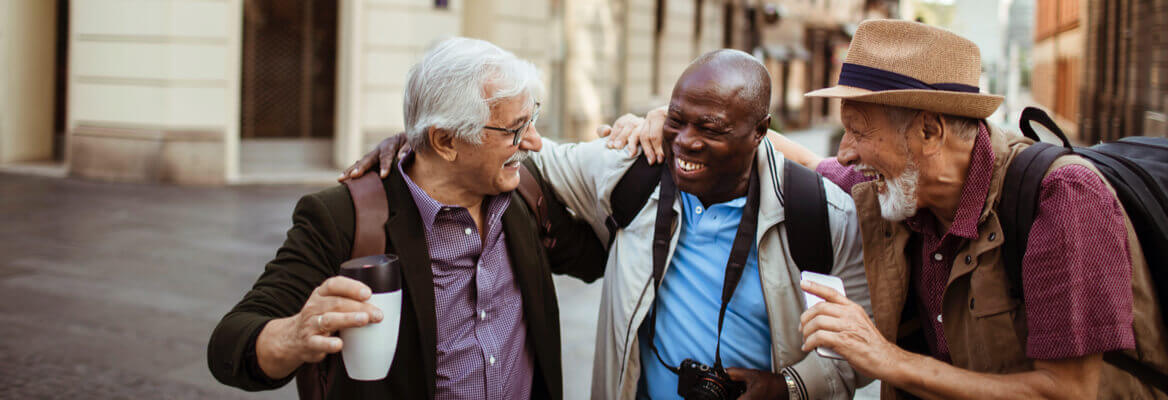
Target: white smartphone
<point>830,281</point>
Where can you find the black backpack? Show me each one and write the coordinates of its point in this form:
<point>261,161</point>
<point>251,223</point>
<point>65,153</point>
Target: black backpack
<point>803,197</point>
<point>1137,167</point>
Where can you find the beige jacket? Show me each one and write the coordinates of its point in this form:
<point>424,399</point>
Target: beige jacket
<point>584,176</point>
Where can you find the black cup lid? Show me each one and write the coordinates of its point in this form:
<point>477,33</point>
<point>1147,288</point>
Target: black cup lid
<point>381,272</point>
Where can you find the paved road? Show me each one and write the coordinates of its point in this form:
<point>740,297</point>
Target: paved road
<point>111,290</point>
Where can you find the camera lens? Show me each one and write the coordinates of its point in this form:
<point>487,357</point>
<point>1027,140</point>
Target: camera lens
<point>706,389</point>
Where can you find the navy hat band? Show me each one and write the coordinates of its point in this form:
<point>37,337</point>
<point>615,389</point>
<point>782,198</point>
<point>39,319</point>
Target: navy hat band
<point>879,80</point>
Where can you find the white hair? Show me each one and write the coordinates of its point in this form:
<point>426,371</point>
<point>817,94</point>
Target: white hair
<point>455,85</point>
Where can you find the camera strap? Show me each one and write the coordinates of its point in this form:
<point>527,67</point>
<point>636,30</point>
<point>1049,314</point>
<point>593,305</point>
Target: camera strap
<point>735,265</point>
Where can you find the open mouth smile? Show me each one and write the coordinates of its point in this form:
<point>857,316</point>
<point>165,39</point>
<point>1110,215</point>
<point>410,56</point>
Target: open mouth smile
<point>871,173</point>
<point>688,166</point>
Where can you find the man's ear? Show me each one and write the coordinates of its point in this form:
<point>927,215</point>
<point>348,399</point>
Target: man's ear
<point>442,142</point>
<point>933,131</point>
<point>760,131</point>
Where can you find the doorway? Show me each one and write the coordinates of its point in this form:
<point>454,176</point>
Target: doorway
<point>60,80</point>
<point>288,86</point>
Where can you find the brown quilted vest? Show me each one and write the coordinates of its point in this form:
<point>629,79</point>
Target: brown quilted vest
<point>984,325</point>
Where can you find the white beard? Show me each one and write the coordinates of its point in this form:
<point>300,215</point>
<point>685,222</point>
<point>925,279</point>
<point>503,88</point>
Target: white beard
<point>899,199</point>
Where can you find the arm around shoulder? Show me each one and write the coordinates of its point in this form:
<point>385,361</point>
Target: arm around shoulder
<point>581,174</point>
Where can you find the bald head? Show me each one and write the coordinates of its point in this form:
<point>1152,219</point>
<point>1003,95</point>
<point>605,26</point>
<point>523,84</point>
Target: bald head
<point>735,78</point>
<point>716,119</point>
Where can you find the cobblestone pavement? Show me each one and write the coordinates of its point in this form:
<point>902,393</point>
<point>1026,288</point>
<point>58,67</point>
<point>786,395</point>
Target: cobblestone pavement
<point>110,291</point>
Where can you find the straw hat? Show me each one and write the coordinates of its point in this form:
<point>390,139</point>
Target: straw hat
<point>912,65</point>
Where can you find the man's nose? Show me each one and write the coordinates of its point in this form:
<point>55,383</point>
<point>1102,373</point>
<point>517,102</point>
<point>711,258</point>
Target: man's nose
<point>847,155</point>
<point>687,139</point>
<point>531,140</point>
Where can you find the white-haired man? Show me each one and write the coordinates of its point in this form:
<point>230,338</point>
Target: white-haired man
<point>479,318</point>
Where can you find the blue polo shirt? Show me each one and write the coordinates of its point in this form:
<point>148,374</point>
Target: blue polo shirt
<point>691,295</point>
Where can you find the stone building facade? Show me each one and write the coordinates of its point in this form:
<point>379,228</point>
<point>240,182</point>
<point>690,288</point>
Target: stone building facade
<point>264,91</point>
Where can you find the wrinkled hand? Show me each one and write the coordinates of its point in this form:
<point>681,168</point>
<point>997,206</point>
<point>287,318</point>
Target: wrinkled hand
<point>632,133</point>
<point>306,337</point>
<point>842,325</point>
<point>392,147</point>
<point>759,384</point>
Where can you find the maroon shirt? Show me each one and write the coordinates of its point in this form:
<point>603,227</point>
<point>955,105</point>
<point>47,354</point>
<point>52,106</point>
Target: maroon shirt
<point>1076,272</point>
<point>482,336</point>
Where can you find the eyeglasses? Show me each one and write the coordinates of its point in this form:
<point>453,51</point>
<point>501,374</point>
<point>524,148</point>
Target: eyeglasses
<point>518,132</point>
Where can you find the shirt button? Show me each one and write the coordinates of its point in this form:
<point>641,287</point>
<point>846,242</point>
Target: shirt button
<point>938,256</point>
<point>482,315</point>
<point>938,318</point>
<point>698,210</point>
<point>492,360</point>
<point>468,231</point>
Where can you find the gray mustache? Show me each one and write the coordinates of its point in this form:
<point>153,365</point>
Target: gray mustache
<point>519,156</point>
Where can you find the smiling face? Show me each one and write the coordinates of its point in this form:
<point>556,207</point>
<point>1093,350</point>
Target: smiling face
<point>492,167</point>
<point>877,147</point>
<point>712,133</point>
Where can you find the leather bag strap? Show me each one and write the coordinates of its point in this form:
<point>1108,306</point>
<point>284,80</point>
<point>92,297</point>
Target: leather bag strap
<point>371,210</point>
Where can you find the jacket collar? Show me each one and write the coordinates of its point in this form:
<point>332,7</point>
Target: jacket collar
<point>770,165</point>
<point>1005,146</point>
<point>401,230</point>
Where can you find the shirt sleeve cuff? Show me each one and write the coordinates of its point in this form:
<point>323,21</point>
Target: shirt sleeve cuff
<point>1060,345</point>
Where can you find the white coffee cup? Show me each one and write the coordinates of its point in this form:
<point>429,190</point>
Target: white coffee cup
<point>368,351</point>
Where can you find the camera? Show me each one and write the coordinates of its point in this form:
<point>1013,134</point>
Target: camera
<point>697,381</point>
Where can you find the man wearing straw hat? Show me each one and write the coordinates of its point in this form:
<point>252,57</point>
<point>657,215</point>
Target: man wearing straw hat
<point>926,172</point>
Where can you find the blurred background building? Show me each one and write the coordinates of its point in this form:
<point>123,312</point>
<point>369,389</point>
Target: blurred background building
<point>248,91</point>
<point>245,91</point>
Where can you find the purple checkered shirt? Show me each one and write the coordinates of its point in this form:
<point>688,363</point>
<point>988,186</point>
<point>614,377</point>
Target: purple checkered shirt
<point>482,336</point>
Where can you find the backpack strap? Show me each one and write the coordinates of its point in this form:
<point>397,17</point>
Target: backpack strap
<point>1019,201</point>
<point>1035,114</point>
<point>806,210</point>
<point>371,210</point>
<point>808,230</point>
<point>630,194</point>
<point>532,194</point>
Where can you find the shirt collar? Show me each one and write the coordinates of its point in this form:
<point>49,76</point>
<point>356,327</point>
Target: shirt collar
<point>428,208</point>
<point>973,193</point>
<point>693,200</point>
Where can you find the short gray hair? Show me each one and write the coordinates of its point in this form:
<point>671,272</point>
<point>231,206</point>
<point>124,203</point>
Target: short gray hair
<point>900,117</point>
<point>448,89</point>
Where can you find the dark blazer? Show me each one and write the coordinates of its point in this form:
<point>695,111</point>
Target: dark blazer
<point>320,240</point>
